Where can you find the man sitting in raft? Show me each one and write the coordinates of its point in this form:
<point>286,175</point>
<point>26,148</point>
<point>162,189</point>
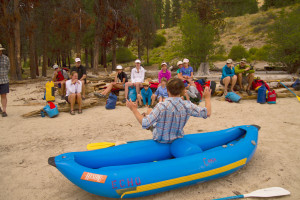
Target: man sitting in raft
<point>137,78</point>
<point>245,74</point>
<point>168,118</point>
<point>74,88</point>
<point>228,76</point>
<point>119,82</point>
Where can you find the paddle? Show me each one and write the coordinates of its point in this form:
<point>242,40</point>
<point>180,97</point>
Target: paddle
<point>267,192</point>
<point>289,90</point>
<point>102,145</point>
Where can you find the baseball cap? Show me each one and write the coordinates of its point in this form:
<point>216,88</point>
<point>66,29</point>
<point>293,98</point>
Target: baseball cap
<point>55,66</point>
<point>163,64</point>
<point>137,61</point>
<point>186,60</point>
<point>179,63</point>
<point>119,67</point>
<point>1,48</point>
<point>229,61</point>
<point>244,60</point>
<point>77,60</point>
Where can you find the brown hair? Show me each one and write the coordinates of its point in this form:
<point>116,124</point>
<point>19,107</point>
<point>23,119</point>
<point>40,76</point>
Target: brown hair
<point>163,79</point>
<point>73,72</point>
<point>175,86</point>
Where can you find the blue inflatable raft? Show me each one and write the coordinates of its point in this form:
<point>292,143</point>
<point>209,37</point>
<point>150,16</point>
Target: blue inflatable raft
<point>146,167</point>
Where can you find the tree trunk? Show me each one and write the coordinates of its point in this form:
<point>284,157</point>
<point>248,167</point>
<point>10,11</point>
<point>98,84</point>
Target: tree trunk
<point>96,52</point>
<point>92,57</point>
<point>11,54</point>
<point>36,60</point>
<point>45,51</point>
<point>17,37</point>
<point>148,52</point>
<point>69,62</point>
<point>104,56</point>
<point>203,69</point>
<point>78,43</point>
<point>31,57</point>
<point>114,55</point>
<point>139,47</point>
<point>86,52</point>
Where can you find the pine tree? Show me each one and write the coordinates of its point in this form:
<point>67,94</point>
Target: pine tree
<point>167,21</point>
<point>176,12</point>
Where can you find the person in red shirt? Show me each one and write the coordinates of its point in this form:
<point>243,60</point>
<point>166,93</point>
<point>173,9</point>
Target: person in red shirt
<point>59,80</point>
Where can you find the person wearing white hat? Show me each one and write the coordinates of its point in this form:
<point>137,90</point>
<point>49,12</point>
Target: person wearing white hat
<point>164,72</point>
<point>179,65</point>
<point>228,76</point>
<point>245,74</point>
<point>81,74</point>
<point>4,81</point>
<point>137,78</point>
<point>187,73</point>
<point>119,82</point>
<point>59,79</point>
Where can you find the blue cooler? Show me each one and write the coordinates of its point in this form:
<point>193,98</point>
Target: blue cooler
<point>51,112</point>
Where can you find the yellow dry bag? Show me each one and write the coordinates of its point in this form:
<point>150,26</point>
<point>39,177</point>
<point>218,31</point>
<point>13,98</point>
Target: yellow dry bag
<point>50,91</point>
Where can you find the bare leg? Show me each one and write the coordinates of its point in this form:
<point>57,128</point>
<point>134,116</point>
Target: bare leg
<point>160,99</point>
<point>83,89</point>
<point>240,80</point>
<point>226,82</point>
<point>108,89</point>
<point>79,101</point>
<point>233,82</point>
<point>153,97</point>
<point>138,87</point>
<point>4,102</point>
<point>139,97</point>
<point>250,80</point>
<point>71,99</point>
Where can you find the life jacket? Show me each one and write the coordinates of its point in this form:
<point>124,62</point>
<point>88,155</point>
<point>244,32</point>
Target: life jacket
<point>50,91</point>
<point>199,88</point>
<point>271,97</point>
<point>60,76</point>
<point>153,86</point>
<point>258,83</point>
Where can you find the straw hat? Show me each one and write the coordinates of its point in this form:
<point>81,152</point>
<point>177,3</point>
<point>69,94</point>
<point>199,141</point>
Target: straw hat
<point>146,83</point>
<point>1,48</point>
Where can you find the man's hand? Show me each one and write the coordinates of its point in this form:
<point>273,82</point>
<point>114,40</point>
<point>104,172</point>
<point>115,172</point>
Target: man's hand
<point>131,105</point>
<point>247,69</point>
<point>207,93</point>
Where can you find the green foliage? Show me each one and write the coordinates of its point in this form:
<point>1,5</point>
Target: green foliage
<point>263,53</point>
<point>260,28</point>
<point>233,8</point>
<point>219,53</point>
<point>284,37</point>
<point>159,40</point>
<point>260,21</point>
<point>167,21</point>
<point>197,39</point>
<point>164,32</point>
<point>278,3</point>
<point>238,52</point>
<point>124,55</point>
<point>252,51</point>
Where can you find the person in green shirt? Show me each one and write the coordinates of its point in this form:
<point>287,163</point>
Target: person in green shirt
<point>245,74</point>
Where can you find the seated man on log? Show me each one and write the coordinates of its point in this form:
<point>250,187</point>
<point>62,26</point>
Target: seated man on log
<point>228,76</point>
<point>59,79</point>
<point>119,82</point>
<point>74,88</point>
<point>245,74</point>
<point>137,78</point>
<point>168,118</point>
<point>81,71</point>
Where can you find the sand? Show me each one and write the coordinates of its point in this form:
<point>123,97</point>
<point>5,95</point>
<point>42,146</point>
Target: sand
<point>26,144</point>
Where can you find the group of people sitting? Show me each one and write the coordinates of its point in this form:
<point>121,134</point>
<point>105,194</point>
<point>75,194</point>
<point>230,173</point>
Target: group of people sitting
<point>73,88</point>
<point>241,73</point>
<point>145,96</point>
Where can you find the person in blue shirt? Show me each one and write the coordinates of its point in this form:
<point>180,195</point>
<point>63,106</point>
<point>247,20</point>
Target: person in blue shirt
<point>228,76</point>
<point>187,73</point>
<point>146,94</point>
<point>161,93</point>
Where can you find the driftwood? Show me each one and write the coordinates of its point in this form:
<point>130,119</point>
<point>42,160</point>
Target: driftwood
<point>65,107</point>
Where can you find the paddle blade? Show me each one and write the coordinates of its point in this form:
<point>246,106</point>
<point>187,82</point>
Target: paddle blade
<point>268,192</point>
<point>100,145</point>
<point>298,98</point>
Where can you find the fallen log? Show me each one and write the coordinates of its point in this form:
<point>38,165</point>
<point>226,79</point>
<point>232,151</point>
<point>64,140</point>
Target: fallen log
<point>65,107</point>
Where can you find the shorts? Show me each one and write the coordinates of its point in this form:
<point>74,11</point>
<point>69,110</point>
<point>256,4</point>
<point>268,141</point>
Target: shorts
<point>67,99</point>
<point>4,88</point>
<point>59,85</point>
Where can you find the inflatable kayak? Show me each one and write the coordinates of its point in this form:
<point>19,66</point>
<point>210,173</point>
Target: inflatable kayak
<point>146,167</point>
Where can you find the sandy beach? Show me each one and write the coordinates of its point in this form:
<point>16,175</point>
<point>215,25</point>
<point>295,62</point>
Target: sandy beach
<point>26,144</point>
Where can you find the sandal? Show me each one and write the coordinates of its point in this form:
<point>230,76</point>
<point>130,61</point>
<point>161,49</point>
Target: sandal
<point>79,111</point>
<point>72,112</point>
<point>0,110</point>
<point>249,92</point>
<point>4,114</point>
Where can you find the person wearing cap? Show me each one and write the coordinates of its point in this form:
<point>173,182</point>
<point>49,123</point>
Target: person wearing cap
<point>179,65</point>
<point>228,76</point>
<point>146,94</point>
<point>137,78</point>
<point>161,93</point>
<point>186,72</point>
<point>119,82</point>
<point>245,74</point>
<point>81,74</point>
<point>4,81</point>
<point>59,79</point>
<point>164,72</point>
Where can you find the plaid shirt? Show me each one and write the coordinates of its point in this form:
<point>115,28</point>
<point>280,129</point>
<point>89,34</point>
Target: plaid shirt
<point>4,69</point>
<point>168,118</point>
